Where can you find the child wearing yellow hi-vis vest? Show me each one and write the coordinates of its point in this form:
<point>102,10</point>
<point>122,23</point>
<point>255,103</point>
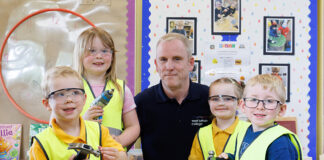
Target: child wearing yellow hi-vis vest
<point>264,139</point>
<point>64,97</point>
<point>95,58</point>
<point>220,135</point>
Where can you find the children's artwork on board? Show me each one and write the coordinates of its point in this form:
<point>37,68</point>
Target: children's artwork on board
<point>280,70</point>
<point>226,17</point>
<point>35,129</point>
<point>195,73</point>
<point>10,141</point>
<point>186,26</point>
<point>279,36</point>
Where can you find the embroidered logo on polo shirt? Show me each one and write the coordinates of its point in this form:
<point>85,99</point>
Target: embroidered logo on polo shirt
<point>199,121</point>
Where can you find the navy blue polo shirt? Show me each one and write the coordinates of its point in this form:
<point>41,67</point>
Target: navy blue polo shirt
<point>167,127</point>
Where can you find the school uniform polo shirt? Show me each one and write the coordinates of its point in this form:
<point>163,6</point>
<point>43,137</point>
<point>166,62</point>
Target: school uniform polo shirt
<point>36,152</point>
<point>167,127</point>
<point>220,138</point>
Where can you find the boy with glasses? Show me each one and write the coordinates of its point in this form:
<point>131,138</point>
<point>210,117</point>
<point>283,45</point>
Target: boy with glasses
<point>264,100</point>
<point>64,97</point>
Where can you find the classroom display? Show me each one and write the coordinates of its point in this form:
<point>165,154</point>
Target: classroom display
<point>273,38</point>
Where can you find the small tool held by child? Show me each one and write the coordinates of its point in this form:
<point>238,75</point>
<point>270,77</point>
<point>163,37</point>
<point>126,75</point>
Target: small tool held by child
<point>102,100</point>
<point>83,150</point>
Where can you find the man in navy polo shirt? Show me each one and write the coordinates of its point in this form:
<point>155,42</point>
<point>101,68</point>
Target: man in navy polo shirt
<point>171,112</point>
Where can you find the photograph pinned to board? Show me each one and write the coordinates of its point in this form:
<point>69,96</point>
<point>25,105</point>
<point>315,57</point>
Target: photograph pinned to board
<point>279,36</point>
<point>280,70</point>
<point>226,17</point>
<point>194,75</point>
<point>186,26</point>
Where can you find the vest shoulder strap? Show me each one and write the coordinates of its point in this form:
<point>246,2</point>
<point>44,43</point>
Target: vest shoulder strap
<point>231,141</point>
<point>294,139</point>
<point>206,142</point>
<point>40,144</point>
<point>113,111</point>
<point>205,139</point>
<point>93,129</point>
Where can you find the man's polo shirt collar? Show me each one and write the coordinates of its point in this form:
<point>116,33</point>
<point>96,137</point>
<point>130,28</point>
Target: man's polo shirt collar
<point>161,97</point>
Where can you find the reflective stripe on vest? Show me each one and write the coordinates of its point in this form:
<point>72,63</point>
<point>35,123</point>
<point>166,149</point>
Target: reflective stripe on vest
<point>258,148</point>
<point>205,139</point>
<point>54,148</point>
<point>112,117</point>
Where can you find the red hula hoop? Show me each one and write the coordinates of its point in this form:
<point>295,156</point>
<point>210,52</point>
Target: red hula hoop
<point>5,42</point>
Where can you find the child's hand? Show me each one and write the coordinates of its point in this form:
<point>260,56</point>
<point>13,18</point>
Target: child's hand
<point>72,157</point>
<point>223,155</point>
<point>92,113</point>
<point>108,153</point>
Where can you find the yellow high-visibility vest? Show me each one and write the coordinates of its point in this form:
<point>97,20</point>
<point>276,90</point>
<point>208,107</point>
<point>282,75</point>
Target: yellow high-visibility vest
<point>54,148</point>
<point>112,117</point>
<point>260,145</point>
<point>206,141</point>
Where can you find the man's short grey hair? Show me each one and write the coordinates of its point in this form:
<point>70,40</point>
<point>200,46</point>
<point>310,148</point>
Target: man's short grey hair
<point>178,36</point>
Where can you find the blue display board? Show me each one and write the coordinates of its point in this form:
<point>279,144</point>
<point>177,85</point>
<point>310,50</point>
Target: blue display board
<point>312,94</point>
